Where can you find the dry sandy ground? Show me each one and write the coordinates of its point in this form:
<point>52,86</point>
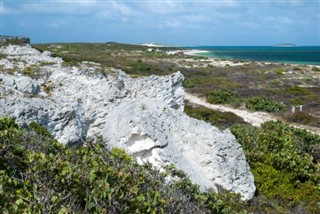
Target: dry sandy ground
<point>254,118</point>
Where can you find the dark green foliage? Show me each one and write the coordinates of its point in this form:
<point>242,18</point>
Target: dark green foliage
<point>220,119</point>
<point>284,163</point>
<point>188,83</point>
<point>141,68</point>
<point>222,96</point>
<point>263,103</point>
<point>39,175</point>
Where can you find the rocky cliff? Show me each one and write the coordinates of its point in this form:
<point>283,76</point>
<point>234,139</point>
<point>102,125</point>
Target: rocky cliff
<point>142,115</point>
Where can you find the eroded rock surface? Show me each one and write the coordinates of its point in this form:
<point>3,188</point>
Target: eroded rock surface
<point>143,115</point>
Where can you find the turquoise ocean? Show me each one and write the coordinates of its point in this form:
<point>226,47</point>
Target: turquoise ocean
<point>295,55</point>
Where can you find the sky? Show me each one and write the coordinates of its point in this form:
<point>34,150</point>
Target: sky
<point>174,22</point>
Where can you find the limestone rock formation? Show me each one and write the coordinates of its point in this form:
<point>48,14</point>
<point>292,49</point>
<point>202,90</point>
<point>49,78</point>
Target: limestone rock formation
<point>154,133</point>
<point>142,115</point>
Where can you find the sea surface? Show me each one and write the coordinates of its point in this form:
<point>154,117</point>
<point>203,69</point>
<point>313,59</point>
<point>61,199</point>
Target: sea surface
<point>296,55</point>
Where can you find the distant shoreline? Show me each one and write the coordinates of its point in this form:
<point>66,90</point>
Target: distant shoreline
<point>309,55</point>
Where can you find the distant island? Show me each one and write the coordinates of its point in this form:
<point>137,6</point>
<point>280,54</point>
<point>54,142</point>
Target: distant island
<point>285,45</point>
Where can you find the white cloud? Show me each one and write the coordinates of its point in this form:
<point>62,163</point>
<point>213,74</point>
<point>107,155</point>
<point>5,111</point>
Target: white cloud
<point>171,23</point>
<point>55,23</point>
<point>5,10</point>
<point>69,7</point>
<point>163,8</point>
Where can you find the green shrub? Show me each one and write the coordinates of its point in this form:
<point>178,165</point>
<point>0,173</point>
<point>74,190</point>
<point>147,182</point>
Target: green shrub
<point>285,162</point>
<point>39,175</point>
<point>188,83</point>
<point>222,97</point>
<point>263,103</point>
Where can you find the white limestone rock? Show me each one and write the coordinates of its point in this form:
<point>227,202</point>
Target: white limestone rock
<point>66,123</point>
<point>22,84</point>
<point>27,85</point>
<point>23,56</point>
<point>152,132</point>
<point>144,116</point>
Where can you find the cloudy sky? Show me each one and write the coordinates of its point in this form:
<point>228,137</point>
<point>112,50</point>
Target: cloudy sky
<point>180,22</point>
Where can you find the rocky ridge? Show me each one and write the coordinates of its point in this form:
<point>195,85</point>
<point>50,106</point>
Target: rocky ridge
<point>142,115</point>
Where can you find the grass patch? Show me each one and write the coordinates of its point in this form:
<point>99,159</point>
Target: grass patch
<point>297,91</point>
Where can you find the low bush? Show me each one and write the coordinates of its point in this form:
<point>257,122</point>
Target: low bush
<point>263,103</point>
<point>222,97</point>
<point>187,83</point>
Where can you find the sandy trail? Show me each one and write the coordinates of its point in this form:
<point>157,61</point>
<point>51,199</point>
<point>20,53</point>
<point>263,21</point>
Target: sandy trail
<point>254,118</point>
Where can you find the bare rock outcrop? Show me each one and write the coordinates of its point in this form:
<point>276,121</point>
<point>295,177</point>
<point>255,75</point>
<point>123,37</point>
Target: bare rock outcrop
<point>152,132</point>
<point>142,115</point>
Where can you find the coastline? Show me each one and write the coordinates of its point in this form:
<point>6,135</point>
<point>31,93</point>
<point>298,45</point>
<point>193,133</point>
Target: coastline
<point>222,61</point>
<point>210,55</point>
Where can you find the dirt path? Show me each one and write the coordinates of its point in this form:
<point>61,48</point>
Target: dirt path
<point>254,118</point>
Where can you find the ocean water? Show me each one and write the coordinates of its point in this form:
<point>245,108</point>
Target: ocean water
<point>296,55</point>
